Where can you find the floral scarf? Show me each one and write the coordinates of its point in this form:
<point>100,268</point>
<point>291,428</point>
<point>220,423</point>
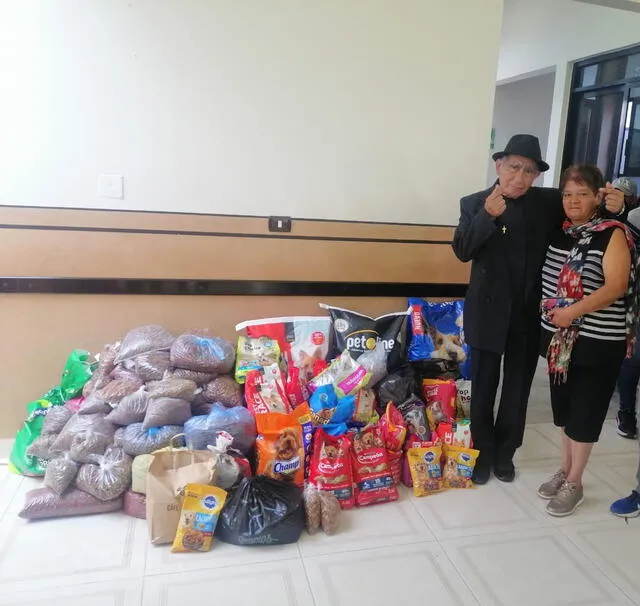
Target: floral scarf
<point>570,289</point>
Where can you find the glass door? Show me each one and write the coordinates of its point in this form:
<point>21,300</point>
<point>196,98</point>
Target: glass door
<point>630,160</point>
<point>596,130</point>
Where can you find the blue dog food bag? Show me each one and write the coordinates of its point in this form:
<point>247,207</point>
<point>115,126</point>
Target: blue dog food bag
<point>435,331</point>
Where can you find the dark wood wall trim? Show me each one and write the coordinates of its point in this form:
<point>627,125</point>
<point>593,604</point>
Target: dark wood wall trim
<point>100,286</point>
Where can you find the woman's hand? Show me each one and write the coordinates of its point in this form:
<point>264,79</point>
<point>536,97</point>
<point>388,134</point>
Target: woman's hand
<point>561,316</point>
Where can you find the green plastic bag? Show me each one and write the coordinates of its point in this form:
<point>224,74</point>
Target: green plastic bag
<point>19,461</point>
<point>77,371</point>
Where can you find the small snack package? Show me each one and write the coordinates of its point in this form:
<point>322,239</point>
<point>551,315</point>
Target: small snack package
<point>201,507</point>
<point>280,447</point>
<point>265,392</point>
<point>254,354</point>
<point>440,397</point>
<point>426,471</point>
<point>463,399</point>
<point>458,466</point>
<point>345,374</point>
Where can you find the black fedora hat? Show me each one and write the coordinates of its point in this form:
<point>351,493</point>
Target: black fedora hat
<point>526,146</point>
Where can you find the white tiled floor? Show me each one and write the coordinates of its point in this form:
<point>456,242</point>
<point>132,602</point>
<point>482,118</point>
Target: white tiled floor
<point>493,546</point>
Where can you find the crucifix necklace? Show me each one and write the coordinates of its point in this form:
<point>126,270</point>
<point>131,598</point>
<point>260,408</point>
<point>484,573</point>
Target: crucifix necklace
<point>504,229</point>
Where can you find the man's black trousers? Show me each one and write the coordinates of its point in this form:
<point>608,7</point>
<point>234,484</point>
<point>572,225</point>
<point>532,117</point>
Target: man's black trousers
<point>499,439</point>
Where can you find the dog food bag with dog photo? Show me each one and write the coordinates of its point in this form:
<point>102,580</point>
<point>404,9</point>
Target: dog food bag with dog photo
<point>426,471</point>
<point>345,374</point>
<point>303,340</point>
<point>201,507</point>
<point>358,334</point>
<point>440,397</point>
<point>435,331</point>
<point>414,413</point>
<point>264,391</point>
<point>255,354</point>
<point>458,466</point>
<point>331,466</point>
<point>279,448</point>
<point>372,476</point>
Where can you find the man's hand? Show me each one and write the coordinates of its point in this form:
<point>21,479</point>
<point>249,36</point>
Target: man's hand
<point>495,204</point>
<point>613,199</point>
<point>561,316</point>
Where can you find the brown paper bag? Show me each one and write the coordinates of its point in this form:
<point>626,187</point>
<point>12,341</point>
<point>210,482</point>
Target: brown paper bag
<point>169,473</point>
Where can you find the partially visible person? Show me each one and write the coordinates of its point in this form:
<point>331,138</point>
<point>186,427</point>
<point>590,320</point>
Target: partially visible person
<point>626,419</point>
<point>590,303</point>
<point>630,190</point>
<point>628,507</point>
<point>504,231</point>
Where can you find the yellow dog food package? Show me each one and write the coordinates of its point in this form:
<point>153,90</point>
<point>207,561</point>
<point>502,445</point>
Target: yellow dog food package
<point>201,507</point>
<point>458,466</point>
<point>426,470</point>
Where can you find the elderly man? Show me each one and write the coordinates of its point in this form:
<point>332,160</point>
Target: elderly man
<point>504,231</point>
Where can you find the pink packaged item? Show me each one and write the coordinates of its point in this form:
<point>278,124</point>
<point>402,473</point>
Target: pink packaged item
<point>135,504</point>
<point>74,404</point>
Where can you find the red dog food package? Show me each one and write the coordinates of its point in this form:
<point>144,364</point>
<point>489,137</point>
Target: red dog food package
<point>372,475</point>
<point>264,391</point>
<point>394,433</point>
<point>455,434</point>
<point>358,334</point>
<point>440,397</point>
<point>303,340</point>
<point>280,447</point>
<point>331,467</point>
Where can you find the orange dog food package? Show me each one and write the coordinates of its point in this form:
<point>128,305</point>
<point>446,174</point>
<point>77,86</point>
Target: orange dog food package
<point>331,466</point>
<point>280,447</point>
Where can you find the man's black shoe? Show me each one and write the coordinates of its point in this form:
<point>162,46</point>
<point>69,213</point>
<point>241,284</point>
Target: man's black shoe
<point>504,471</point>
<point>627,424</point>
<point>482,472</point>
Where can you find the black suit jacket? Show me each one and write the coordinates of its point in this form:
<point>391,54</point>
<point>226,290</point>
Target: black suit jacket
<point>478,238</point>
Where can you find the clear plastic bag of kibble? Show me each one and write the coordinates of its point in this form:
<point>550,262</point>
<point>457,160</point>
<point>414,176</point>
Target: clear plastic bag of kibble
<point>60,474</point>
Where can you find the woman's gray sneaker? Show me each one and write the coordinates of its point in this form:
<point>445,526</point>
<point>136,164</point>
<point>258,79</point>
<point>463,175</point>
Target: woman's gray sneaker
<point>568,499</point>
<point>550,488</point>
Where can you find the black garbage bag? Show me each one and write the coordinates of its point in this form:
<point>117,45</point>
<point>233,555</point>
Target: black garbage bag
<point>262,511</point>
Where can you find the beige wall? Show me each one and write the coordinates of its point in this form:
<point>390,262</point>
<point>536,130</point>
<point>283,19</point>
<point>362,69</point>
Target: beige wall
<point>39,330</point>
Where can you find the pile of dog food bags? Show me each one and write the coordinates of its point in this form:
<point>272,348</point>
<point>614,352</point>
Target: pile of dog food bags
<point>302,417</point>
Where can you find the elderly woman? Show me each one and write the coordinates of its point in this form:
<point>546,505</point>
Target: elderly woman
<point>588,318</point>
